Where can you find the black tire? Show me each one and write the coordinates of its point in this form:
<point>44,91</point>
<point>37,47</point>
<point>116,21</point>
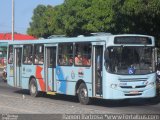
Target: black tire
<point>33,89</point>
<point>83,94</point>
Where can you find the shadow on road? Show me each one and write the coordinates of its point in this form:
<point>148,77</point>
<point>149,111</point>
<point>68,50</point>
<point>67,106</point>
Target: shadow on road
<point>100,102</point>
<point>126,102</point>
<point>61,97</point>
<point>25,92</point>
<point>54,97</point>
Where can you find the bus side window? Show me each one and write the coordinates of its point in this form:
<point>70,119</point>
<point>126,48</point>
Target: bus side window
<point>10,55</point>
<point>83,54</point>
<point>65,54</point>
<point>38,54</point>
<point>27,54</point>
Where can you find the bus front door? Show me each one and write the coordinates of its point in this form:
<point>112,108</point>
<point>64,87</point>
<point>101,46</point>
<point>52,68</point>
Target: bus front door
<point>50,65</point>
<point>17,67</point>
<point>97,70</point>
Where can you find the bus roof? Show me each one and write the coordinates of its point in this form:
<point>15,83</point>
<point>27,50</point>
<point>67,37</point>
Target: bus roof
<point>74,39</point>
<point>64,39</point>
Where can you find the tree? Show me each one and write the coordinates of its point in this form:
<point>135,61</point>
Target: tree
<point>86,16</point>
<point>141,16</point>
<point>43,21</point>
<point>38,24</point>
<point>71,13</point>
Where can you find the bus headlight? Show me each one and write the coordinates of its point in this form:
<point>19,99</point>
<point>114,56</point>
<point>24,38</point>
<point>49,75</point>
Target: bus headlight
<point>114,85</point>
<point>151,83</point>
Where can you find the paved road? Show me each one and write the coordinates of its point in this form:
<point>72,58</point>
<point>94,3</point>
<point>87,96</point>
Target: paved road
<point>16,101</point>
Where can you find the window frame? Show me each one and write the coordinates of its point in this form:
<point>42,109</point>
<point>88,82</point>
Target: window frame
<point>69,56</point>
<point>9,54</point>
<point>29,55</point>
<point>39,54</point>
<point>82,53</point>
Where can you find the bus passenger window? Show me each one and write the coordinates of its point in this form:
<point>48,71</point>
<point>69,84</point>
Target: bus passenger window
<point>41,60</point>
<point>39,54</point>
<point>36,59</point>
<point>64,60</point>
<point>86,60</point>
<point>10,55</point>
<point>65,54</point>
<point>27,54</point>
<point>70,60</point>
<point>83,54</point>
<point>78,59</point>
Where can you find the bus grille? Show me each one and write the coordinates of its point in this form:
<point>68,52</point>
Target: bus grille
<point>132,79</point>
<point>140,86</point>
<point>136,93</point>
<point>133,94</point>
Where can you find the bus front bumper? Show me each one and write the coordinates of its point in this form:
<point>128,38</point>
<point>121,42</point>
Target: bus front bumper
<point>124,94</point>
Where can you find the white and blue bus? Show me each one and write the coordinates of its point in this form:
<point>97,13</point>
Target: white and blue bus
<point>102,66</point>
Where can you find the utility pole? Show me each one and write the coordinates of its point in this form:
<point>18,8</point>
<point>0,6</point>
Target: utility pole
<point>12,20</point>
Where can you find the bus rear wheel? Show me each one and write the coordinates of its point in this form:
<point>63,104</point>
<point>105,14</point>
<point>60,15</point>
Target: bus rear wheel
<point>83,94</point>
<point>33,88</point>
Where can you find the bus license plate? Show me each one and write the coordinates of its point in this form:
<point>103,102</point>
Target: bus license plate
<point>134,92</point>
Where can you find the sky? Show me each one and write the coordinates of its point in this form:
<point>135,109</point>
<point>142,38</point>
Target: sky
<point>23,13</point>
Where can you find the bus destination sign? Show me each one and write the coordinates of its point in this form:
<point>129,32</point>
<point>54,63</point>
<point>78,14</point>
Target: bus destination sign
<point>132,40</point>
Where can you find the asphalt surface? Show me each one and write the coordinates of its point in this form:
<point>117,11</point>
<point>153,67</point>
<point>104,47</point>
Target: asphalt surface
<point>17,101</point>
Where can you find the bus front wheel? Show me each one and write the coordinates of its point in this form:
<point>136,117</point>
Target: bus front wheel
<point>33,88</point>
<point>83,94</point>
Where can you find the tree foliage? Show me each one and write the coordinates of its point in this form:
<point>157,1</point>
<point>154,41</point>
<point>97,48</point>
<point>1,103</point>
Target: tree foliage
<point>75,17</point>
<point>44,22</point>
<point>141,16</point>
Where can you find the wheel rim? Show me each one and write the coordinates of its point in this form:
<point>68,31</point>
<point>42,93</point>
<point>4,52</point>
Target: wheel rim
<point>33,89</point>
<point>83,93</point>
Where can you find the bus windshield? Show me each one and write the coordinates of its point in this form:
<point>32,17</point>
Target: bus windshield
<point>129,60</point>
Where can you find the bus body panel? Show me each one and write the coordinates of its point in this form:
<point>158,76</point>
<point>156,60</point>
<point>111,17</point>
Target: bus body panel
<point>10,75</point>
<point>67,77</point>
<point>27,72</point>
<point>39,74</point>
<point>25,83</point>
<point>129,86</point>
<point>35,71</point>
